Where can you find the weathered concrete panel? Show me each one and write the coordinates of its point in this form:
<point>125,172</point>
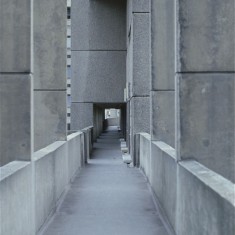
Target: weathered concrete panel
<point>163,44</point>
<point>74,154</point>
<point>15,134</point>
<point>51,177</point>
<point>205,201</point>
<point>164,178</point>
<point>206,35</point>
<point>15,28</point>
<point>206,112</point>
<point>163,116</point>
<point>81,115</point>
<point>141,54</point>
<point>16,199</point>
<point>50,29</point>
<point>98,25</point>
<point>95,76</point>
<point>141,5</point>
<point>144,153</point>
<point>50,115</point>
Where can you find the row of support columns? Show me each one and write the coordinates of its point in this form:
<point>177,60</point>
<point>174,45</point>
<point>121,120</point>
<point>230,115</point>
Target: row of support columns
<point>188,101</point>
<point>32,76</point>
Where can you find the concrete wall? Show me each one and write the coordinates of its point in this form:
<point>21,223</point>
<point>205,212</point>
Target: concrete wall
<point>205,84</point>
<point>98,56</point>
<point>193,199</point>
<point>138,63</point>
<point>49,49</point>
<point>15,80</point>
<point>30,191</point>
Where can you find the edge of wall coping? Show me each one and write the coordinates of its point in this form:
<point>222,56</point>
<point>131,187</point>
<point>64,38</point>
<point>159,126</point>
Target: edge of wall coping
<point>165,148</point>
<point>73,135</point>
<point>47,150</point>
<point>222,186</point>
<point>11,168</point>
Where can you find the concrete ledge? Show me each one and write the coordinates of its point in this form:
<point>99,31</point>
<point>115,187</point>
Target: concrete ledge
<point>16,199</point>
<point>144,154</point>
<point>205,201</point>
<point>51,178</point>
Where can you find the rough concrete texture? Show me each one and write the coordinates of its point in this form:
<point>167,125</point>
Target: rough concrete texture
<point>15,135</point>
<point>139,5</point>
<point>206,111</point>
<point>51,166</point>
<point>101,70</point>
<point>205,201</point>
<point>140,114</point>
<point>163,43</point>
<point>49,44</point>
<point>162,115</point>
<point>103,25</point>
<point>141,54</point>
<point>107,198</point>
<point>16,199</point>
<point>74,149</point>
<point>81,115</point>
<point>15,31</point>
<point>50,115</point>
<point>206,35</point>
<point>164,178</point>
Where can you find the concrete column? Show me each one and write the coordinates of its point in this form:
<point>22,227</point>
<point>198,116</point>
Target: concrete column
<point>138,68</point>
<point>50,28</point>
<point>16,125</point>
<point>205,84</point>
<point>163,71</point>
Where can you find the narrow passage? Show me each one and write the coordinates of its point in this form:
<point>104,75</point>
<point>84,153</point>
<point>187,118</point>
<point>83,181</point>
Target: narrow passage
<point>107,197</point>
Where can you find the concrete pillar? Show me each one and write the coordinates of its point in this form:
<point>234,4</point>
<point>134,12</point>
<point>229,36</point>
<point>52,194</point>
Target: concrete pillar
<point>50,71</point>
<point>205,84</point>
<point>163,71</point>
<point>138,68</point>
<point>16,125</point>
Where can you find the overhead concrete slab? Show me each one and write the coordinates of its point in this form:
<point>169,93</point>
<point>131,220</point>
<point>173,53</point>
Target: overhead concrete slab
<point>95,75</point>
<point>98,25</point>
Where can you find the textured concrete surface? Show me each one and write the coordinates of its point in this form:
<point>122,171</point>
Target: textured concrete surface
<point>16,199</point>
<point>162,116</point>
<point>81,115</point>
<point>206,112</point>
<point>139,5</point>
<point>103,70</point>
<point>205,201</point>
<point>15,28</point>
<point>107,198</point>
<point>141,54</point>
<point>15,136</point>
<point>50,29</point>
<point>163,43</point>
<point>206,35</point>
<point>164,178</point>
<point>103,25</point>
<point>51,166</point>
<point>49,117</point>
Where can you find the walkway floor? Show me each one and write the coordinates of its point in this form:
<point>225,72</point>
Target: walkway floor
<point>107,198</point>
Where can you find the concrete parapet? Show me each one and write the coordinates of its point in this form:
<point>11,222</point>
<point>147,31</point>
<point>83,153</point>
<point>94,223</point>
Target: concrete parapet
<point>16,199</point>
<point>205,201</point>
<point>193,199</point>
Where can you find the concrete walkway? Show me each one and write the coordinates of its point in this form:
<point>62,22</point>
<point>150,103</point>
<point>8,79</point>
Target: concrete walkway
<point>107,198</point>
